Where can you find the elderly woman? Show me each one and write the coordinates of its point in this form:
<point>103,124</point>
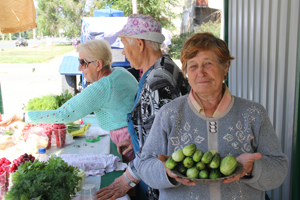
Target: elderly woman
<point>240,128</point>
<point>110,96</point>
<point>162,81</point>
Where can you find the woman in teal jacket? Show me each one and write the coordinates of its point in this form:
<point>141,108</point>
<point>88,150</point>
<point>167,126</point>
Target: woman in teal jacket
<point>110,96</point>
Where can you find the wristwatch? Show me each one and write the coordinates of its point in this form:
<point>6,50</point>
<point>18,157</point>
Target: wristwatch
<point>131,183</point>
<point>248,175</point>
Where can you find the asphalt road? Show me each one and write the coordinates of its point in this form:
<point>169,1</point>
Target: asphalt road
<point>21,82</point>
<point>6,44</point>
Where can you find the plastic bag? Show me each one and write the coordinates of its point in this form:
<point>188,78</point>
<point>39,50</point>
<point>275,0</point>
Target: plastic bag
<point>69,140</point>
<point>36,137</point>
<point>6,141</point>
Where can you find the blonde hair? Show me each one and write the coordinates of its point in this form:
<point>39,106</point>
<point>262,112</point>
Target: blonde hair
<point>99,49</point>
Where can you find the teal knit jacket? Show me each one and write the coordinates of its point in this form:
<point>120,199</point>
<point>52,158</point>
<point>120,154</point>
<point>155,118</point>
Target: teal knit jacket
<point>110,98</point>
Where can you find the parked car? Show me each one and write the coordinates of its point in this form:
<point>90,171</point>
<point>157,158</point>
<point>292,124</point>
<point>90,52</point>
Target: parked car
<point>65,41</point>
<point>21,41</point>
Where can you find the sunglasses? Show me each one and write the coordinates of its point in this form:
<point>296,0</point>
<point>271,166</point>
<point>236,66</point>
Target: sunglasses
<point>84,64</point>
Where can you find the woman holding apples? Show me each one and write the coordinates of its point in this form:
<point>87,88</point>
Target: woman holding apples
<point>110,96</point>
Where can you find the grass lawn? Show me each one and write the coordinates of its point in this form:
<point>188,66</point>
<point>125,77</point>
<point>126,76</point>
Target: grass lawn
<point>33,55</point>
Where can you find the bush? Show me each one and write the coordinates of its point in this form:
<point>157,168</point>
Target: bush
<point>177,44</point>
<point>179,40</point>
<point>212,27</point>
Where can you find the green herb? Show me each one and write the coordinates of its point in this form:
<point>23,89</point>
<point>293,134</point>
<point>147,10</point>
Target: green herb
<point>48,102</point>
<point>55,180</point>
<point>72,127</point>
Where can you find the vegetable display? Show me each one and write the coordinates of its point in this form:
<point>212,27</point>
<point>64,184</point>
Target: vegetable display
<point>54,179</point>
<point>48,102</point>
<point>195,164</point>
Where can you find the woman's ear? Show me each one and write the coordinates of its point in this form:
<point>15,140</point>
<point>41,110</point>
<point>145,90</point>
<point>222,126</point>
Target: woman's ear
<point>227,67</point>
<point>99,65</point>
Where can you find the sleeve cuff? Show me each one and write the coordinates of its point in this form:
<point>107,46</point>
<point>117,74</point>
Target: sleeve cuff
<point>133,171</point>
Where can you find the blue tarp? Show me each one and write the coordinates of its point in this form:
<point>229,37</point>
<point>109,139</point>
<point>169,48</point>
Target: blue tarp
<point>69,66</point>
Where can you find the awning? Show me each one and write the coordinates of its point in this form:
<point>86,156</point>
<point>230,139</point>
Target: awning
<point>17,16</point>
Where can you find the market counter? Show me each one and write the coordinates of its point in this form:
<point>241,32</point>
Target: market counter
<point>104,147</point>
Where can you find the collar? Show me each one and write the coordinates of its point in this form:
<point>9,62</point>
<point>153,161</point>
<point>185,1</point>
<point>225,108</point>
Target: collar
<point>223,105</point>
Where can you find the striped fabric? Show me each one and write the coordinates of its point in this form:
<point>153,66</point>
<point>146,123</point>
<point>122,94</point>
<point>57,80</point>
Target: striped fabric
<point>226,99</point>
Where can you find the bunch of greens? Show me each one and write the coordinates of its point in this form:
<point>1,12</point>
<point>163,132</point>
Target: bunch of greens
<point>55,180</point>
<point>48,102</point>
<point>72,127</point>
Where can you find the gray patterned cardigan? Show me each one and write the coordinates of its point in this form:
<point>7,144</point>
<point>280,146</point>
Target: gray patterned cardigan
<point>243,127</point>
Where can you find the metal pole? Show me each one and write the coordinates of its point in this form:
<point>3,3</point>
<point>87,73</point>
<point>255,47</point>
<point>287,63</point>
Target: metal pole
<point>134,6</point>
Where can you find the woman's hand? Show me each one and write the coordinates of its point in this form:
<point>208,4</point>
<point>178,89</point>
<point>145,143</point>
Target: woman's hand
<point>247,159</point>
<point>14,118</point>
<point>117,189</point>
<point>184,181</point>
<point>125,147</point>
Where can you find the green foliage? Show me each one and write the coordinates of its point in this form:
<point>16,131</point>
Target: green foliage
<point>179,40</point>
<point>177,44</point>
<point>162,10</point>
<point>60,14</point>
<point>48,102</point>
<point>55,180</point>
<point>212,27</point>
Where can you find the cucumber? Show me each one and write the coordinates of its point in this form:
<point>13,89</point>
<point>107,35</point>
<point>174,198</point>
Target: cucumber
<point>215,162</point>
<point>200,166</point>
<point>203,174</point>
<point>215,173</point>
<point>192,172</point>
<point>197,155</point>
<point>170,163</point>
<point>182,169</point>
<point>228,165</point>
<point>207,157</point>
<point>188,162</point>
<point>213,152</point>
<point>189,149</point>
<point>178,155</point>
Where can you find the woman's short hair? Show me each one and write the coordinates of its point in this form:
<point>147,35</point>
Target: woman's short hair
<point>155,45</point>
<point>204,42</point>
<point>98,49</point>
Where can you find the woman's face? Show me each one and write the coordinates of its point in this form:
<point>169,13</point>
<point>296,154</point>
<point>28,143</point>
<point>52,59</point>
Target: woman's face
<point>90,72</point>
<point>206,74</point>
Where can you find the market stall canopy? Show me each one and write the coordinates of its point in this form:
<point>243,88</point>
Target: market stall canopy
<point>17,16</point>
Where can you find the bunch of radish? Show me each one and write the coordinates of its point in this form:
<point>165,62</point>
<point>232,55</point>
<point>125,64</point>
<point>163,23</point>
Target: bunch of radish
<point>4,174</point>
<point>20,160</point>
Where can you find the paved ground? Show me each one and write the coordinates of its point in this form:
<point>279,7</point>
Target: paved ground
<point>21,82</point>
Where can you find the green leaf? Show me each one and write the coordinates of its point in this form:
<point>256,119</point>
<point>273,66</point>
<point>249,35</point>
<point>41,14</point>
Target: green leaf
<point>54,180</point>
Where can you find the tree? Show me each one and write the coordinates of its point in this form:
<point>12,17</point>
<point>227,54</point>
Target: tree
<point>53,15</point>
<point>161,10</point>
<point>47,18</point>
